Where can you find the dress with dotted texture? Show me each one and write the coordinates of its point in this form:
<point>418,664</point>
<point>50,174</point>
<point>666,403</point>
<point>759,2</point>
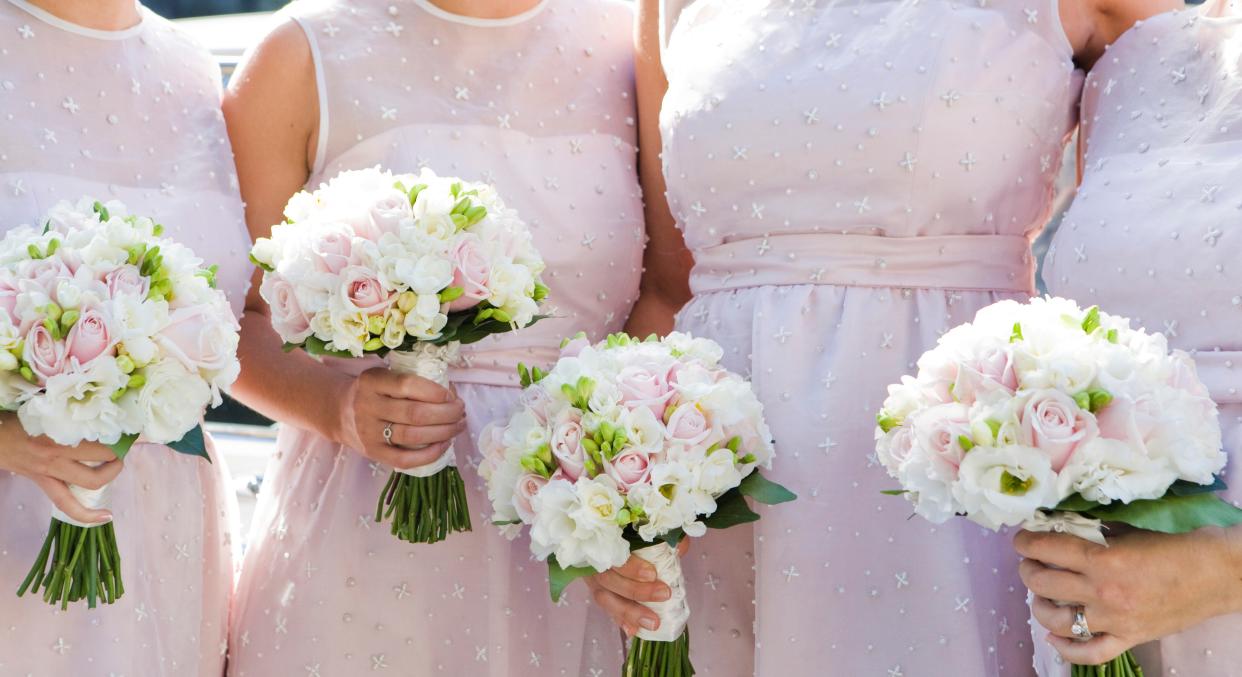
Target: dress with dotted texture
<point>132,115</point>
<point>854,178</point>
<point>542,106</point>
<point>1154,235</point>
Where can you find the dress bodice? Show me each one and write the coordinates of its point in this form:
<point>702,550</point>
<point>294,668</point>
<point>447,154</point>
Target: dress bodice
<point>405,84</point>
<point>1153,233</point>
<point>897,118</point>
<point>132,115</point>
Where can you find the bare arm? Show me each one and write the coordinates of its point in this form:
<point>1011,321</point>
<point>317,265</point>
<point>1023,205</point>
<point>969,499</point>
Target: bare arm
<point>666,261</point>
<point>271,109</point>
<point>1094,25</point>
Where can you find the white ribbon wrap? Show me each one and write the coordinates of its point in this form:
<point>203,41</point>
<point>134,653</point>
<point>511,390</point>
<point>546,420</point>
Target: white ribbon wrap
<point>1068,523</point>
<point>674,612</point>
<point>92,499</point>
<point>431,362</point>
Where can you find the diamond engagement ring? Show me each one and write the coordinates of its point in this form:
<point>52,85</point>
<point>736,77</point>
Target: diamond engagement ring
<point>388,437</point>
<point>1079,629</point>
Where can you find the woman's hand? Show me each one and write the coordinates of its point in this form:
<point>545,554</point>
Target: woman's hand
<point>54,467</point>
<point>424,416</point>
<point>1142,587</point>
<point>621,591</point>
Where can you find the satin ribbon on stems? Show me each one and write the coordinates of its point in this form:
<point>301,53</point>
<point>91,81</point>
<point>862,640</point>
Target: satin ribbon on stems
<point>426,503</point>
<point>665,651</point>
<point>78,560</point>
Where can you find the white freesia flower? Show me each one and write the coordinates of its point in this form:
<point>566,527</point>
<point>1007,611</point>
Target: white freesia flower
<point>1004,486</point>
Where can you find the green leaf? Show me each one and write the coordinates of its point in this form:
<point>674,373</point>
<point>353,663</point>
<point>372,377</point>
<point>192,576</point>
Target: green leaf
<point>1187,488</point>
<point>505,523</point>
<point>731,510</point>
<point>560,577</point>
<point>895,492</point>
<point>1172,514</point>
<point>192,444</point>
<point>1092,321</point>
<point>122,446</point>
<point>263,266</point>
<point>764,490</point>
<point>319,348</point>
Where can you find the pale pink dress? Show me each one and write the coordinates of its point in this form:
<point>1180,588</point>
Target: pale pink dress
<point>542,105</point>
<point>1154,235</point>
<point>854,178</point>
<point>132,115</point>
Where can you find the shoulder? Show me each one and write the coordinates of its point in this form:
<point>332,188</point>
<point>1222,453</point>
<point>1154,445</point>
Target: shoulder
<point>178,49</point>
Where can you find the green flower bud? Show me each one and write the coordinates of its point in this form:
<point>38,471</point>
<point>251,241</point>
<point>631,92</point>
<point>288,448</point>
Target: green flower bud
<point>1015,486</point>
<point>373,345</point>
<point>455,188</point>
<point>126,364</point>
<point>1017,333</point>
<point>27,374</point>
<point>461,206</point>
<point>541,292</point>
<point>415,190</point>
<point>52,327</point>
<point>623,517</point>
<point>53,246</point>
<point>118,394</point>
<point>475,214</point>
<point>451,294</point>
<point>1092,320</point>
<point>589,445</point>
<point>1112,335</point>
<point>375,324</point>
<point>136,381</point>
<point>544,452</point>
<point>575,337</point>
<point>406,301</point>
<point>33,251</point>
<point>886,421</point>
<point>747,459</point>
<point>68,319</point>
<point>734,443</point>
<point>1083,400</point>
<point>501,316</point>
<point>966,442</point>
<point>52,311</point>
<point>1099,399</point>
<point>101,210</point>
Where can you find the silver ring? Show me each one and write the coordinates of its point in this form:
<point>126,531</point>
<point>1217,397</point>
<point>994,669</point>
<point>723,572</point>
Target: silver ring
<point>1080,629</point>
<point>388,434</point>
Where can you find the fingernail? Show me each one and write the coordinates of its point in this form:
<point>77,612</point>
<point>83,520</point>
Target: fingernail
<point>662,594</point>
<point>629,631</point>
<point>649,623</point>
<point>647,574</point>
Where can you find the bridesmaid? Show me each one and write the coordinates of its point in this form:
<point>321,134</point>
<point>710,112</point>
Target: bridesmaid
<point>537,97</point>
<point>1160,125</point>
<point>852,179</point>
<point>107,99</point>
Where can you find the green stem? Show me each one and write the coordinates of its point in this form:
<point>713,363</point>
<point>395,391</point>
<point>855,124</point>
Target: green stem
<point>74,564</point>
<point>1125,665</point>
<point>648,658</point>
<point>425,509</point>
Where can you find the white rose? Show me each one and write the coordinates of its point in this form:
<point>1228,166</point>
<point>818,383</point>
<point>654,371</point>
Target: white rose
<point>170,404</point>
<point>1106,470</point>
<point>718,473</point>
<point>77,406</point>
<point>1004,486</point>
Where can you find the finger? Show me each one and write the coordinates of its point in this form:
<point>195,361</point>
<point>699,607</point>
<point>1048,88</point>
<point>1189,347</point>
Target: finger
<point>404,460</point>
<point>417,437</point>
<point>72,472</point>
<point>1049,583</point>
<point>638,569</point>
<point>1059,550</point>
<point>625,612</point>
<point>86,451</point>
<point>405,386</point>
<point>635,590</point>
<point>682,546</point>
<point>409,412</point>
<point>1056,619</point>
<point>64,501</point>
<point>1100,649</point>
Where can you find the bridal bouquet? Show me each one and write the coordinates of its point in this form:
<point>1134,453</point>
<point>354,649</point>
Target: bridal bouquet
<point>108,333</point>
<point>1050,417</point>
<point>407,267</point>
<point>629,446</point>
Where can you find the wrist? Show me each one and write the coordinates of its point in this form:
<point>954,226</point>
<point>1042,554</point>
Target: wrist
<point>1232,538</point>
<point>338,421</point>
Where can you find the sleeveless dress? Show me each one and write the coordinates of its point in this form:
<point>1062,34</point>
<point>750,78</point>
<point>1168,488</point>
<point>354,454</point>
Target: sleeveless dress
<point>854,178</point>
<point>132,115</point>
<point>1154,235</point>
<point>542,106</point>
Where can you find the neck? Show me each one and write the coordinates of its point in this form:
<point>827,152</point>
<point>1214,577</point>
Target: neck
<point>101,15</point>
<point>486,9</point>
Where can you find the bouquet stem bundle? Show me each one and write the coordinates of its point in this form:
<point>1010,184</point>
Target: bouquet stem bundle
<point>665,651</point>
<point>75,563</point>
<point>659,659</point>
<point>1125,665</point>
<point>426,503</point>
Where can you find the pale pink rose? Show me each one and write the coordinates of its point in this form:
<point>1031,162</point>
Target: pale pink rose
<point>528,485</point>
<point>688,425</point>
<point>642,386</point>
<point>385,215</point>
<point>471,271</point>
<point>574,346</point>
<point>538,402</point>
<point>989,371</point>
<point>45,355</point>
<point>8,294</point>
<point>1053,423</point>
<point>1127,422</point>
<point>90,337</point>
<point>363,291</point>
<point>629,469</point>
<point>567,437</point>
<point>44,273</point>
<point>895,446</point>
<point>491,448</point>
<point>940,429</point>
<point>332,252</point>
<point>1185,376</point>
<point>193,337</point>
<point>126,280</point>
<point>288,318</point>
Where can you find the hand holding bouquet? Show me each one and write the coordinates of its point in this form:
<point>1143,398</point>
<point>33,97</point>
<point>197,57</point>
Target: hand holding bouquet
<point>1051,417</point>
<point>108,333</point>
<point>630,445</point>
<point>407,267</point>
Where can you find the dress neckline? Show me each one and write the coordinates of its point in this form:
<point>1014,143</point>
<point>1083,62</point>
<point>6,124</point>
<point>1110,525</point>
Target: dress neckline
<point>441,13</point>
<point>95,33</point>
